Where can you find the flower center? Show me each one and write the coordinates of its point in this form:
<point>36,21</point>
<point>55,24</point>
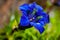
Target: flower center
<point>32,19</point>
<point>31,16</point>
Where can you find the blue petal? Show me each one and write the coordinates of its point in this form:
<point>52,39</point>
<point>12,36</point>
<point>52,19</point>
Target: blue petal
<point>45,17</point>
<point>40,13</point>
<point>42,19</point>
<point>24,13</point>
<point>24,21</point>
<point>32,5</point>
<point>24,7</point>
<point>38,8</point>
<point>38,26</point>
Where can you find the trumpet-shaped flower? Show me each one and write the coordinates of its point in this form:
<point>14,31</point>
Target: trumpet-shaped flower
<point>33,15</point>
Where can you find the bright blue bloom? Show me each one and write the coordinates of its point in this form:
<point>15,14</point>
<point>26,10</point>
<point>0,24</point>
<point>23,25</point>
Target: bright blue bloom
<point>33,14</point>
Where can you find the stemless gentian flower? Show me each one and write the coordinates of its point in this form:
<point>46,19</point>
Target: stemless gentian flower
<point>33,15</point>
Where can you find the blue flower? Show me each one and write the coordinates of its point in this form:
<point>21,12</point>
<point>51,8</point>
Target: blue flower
<point>33,14</point>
